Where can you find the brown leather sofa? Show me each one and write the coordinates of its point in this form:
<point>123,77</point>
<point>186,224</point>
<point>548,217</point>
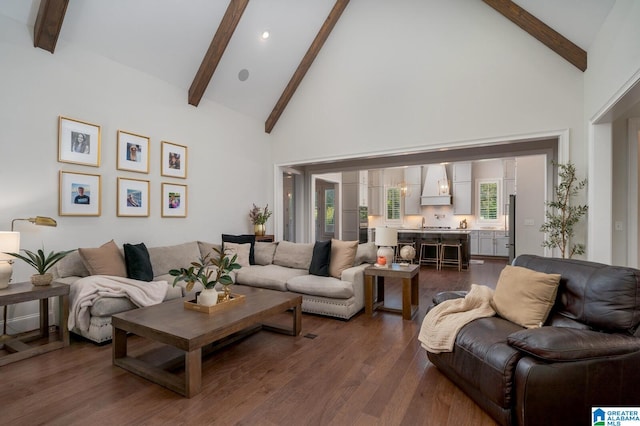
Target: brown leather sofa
<point>586,355</point>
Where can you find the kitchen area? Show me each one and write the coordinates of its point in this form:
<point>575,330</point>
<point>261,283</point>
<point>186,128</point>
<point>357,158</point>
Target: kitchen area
<point>470,202</point>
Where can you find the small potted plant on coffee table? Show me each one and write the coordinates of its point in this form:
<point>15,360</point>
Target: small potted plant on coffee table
<point>41,263</point>
<point>208,271</point>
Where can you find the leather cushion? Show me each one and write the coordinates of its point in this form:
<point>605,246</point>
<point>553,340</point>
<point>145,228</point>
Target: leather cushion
<point>320,259</point>
<point>568,344</point>
<point>602,296</point>
<point>483,358</point>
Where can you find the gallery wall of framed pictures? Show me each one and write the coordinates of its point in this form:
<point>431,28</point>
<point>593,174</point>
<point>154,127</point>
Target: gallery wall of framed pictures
<point>80,193</point>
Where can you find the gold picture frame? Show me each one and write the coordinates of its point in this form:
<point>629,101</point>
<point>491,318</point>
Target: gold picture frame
<point>133,152</point>
<point>133,197</point>
<point>79,194</point>
<point>173,159</point>
<point>174,200</point>
<point>78,142</point>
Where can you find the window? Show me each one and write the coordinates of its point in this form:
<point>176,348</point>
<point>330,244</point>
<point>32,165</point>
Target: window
<point>488,200</point>
<point>329,210</point>
<point>393,201</point>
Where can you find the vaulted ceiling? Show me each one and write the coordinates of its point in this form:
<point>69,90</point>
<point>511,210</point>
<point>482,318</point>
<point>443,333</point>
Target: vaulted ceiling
<point>215,49</point>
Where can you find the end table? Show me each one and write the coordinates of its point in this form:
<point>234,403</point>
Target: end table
<point>410,276</point>
<point>25,292</point>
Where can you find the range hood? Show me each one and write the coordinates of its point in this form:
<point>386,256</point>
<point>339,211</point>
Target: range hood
<point>435,191</point>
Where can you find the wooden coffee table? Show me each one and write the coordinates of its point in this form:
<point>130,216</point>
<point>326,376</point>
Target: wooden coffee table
<point>191,332</point>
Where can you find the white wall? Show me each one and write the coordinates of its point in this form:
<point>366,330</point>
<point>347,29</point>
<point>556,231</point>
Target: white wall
<point>614,56</point>
<point>614,66</point>
<point>426,74</point>
<point>229,155</point>
<point>530,203</point>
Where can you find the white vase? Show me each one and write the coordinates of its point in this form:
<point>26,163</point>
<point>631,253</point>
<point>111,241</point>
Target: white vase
<point>208,297</point>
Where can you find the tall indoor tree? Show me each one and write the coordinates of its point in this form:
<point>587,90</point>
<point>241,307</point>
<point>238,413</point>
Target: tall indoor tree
<point>561,215</point>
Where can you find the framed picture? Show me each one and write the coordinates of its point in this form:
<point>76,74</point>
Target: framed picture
<point>133,152</point>
<point>79,194</point>
<point>174,160</point>
<point>133,197</point>
<point>174,200</point>
<point>78,142</point>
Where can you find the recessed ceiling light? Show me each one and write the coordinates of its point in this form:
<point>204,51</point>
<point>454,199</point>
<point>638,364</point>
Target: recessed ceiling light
<point>243,75</point>
<point>265,35</point>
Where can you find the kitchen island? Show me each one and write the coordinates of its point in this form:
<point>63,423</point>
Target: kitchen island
<point>417,236</point>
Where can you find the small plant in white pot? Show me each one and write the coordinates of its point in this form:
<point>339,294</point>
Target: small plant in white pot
<point>208,271</point>
<point>41,263</point>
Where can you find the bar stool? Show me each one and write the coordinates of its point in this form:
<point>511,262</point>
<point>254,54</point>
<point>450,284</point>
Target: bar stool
<point>455,256</point>
<point>426,249</point>
<point>401,244</point>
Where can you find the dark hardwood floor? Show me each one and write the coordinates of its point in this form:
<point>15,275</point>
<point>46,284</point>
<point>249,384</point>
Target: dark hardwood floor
<point>365,371</point>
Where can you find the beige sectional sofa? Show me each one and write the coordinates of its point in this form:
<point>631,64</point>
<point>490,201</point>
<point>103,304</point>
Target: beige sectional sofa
<point>284,266</point>
<point>279,266</point>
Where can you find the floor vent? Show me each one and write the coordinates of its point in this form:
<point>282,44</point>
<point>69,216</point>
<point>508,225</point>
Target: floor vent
<point>310,336</point>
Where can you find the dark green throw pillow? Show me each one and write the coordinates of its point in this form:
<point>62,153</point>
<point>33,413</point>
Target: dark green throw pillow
<point>136,258</point>
<point>320,259</point>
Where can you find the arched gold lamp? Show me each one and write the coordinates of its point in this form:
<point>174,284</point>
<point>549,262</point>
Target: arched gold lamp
<point>38,220</point>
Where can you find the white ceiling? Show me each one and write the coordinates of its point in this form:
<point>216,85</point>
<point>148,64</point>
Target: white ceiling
<point>168,38</point>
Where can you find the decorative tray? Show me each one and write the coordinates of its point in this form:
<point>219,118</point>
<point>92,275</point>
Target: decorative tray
<point>235,300</point>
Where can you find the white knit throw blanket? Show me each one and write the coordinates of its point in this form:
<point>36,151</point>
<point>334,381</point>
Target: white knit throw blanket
<point>86,291</point>
<point>443,322</point>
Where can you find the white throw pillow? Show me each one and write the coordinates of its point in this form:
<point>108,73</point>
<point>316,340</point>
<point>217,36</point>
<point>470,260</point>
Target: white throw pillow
<point>242,250</point>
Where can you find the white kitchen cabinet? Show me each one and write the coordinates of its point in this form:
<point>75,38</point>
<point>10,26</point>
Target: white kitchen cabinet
<point>363,192</point>
<point>412,178</point>
<point>462,187</point>
<point>486,243</point>
<point>461,172</point>
<point>509,168</point>
<point>502,241</point>
<point>508,188</point>
<point>508,179</point>
<point>473,243</point>
<point>375,192</point>
<point>350,196</point>
<point>462,198</point>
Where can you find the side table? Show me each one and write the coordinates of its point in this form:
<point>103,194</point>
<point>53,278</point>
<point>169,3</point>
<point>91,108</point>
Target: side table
<point>410,276</point>
<point>25,292</point>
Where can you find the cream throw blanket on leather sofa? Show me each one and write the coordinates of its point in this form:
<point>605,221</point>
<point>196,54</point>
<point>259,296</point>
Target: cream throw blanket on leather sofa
<point>443,322</point>
<point>85,291</point>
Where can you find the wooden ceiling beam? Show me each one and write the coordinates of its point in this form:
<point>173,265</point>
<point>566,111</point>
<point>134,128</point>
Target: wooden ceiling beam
<point>216,50</point>
<point>305,63</point>
<point>544,33</point>
<point>49,23</point>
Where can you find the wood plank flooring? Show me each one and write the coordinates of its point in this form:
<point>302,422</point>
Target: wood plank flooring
<point>366,371</point>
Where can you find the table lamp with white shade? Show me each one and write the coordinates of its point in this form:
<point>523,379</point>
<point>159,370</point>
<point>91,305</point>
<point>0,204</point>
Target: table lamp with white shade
<point>9,242</point>
<point>386,239</point>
